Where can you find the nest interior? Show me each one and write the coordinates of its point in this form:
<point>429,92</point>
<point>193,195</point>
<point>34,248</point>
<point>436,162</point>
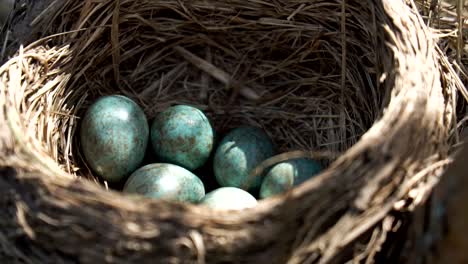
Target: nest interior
<point>277,66</point>
<point>316,75</point>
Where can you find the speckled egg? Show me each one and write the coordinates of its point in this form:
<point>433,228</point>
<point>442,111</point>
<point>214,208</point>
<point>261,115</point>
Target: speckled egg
<point>229,198</point>
<point>240,151</point>
<point>114,135</point>
<point>285,175</point>
<point>165,181</point>
<point>182,135</point>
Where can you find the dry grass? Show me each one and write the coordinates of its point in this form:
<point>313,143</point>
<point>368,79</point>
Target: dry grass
<point>450,19</point>
<point>360,78</point>
<point>277,69</point>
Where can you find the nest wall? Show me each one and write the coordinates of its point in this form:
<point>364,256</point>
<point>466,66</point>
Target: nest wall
<point>358,84</point>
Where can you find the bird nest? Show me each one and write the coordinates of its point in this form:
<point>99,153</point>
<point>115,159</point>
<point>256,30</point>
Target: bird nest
<point>359,85</point>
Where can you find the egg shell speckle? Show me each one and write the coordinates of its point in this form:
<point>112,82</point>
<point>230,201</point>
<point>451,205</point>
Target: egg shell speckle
<point>285,175</point>
<point>240,151</point>
<point>229,198</point>
<point>182,135</point>
<point>114,136</point>
<point>165,181</point>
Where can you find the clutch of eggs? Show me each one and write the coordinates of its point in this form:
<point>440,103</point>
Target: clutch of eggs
<point>114,137</point>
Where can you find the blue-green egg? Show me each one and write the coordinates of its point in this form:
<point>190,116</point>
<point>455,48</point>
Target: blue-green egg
<point>165,181</point>
<point>285,175</point>
<point>229,198</point>
<point>182,135</point>
<point>114,135</point>
<point>240,151</point>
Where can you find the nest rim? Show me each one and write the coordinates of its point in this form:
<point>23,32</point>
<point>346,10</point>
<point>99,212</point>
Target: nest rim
<point>412,97</point>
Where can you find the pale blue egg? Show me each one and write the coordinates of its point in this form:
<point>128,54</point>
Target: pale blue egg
<point>182,135</point>
<point>229,198</point>
<point>285,175</point>
<point>165,181</point>
<point>114,135</point>
<point>240,151</point>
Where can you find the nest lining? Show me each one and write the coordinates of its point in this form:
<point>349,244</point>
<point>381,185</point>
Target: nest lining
<point>277,67</point>
<point>316,75</point>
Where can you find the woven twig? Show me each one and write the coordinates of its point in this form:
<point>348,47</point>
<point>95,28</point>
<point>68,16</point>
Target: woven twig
<point>387,109</point>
